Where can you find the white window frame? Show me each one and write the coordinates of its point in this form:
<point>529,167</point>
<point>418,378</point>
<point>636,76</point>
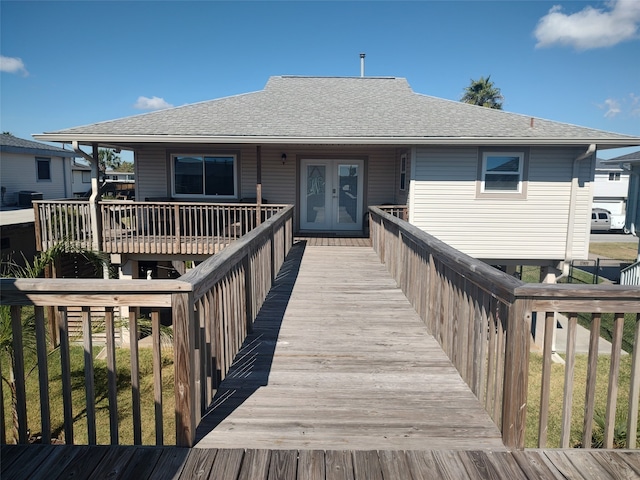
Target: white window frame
<point>614,176</point>
<point>519,174</point>
<point>202,195</point>
<point>48,161</point>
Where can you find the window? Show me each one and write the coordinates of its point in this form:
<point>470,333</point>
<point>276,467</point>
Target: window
<point>502,173</point>
<point>43,169</point>
<point>86,177</point>
<point>206,175</point>
<point>403,172</point>
<point>614,176</point>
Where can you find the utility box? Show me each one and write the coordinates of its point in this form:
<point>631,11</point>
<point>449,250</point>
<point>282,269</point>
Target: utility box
<point>25,197</point>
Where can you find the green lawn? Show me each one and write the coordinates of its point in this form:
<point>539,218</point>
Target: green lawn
<point>101,396</point>
<point>555,403</point>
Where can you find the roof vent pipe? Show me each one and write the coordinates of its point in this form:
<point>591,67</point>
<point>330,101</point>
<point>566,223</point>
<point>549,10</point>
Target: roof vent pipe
<point>362,64</point>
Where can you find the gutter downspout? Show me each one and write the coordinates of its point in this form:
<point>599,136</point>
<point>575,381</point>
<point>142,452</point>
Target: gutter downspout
<point>95,193</point>
<point>568,253</point>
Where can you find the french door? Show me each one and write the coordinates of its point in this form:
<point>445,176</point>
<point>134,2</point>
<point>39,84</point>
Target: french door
<point>331,194</point>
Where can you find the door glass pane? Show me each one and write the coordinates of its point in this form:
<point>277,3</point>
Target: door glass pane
<point>348,194</point>
<point>316,198</point>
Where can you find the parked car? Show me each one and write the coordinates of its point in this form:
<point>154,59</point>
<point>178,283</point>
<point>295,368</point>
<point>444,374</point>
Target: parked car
<point>600,220</point>
<point>603,220</point>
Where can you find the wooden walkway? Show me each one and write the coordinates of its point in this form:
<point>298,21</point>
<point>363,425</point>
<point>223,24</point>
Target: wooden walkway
<point>340,360</point>
<point>35,462</point>
<point>338,381</point>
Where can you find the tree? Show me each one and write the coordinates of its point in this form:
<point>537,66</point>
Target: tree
<point>108,159</point>
<point>484,93</point>
<point>126,167</point>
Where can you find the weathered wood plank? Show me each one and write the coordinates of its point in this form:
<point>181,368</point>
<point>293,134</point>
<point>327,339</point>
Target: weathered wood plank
<point>394,464</point>
<point>284,465</point>
<point>366,464</point>
<point>199,463</point>
<point>391,385</point>
<point>227,464</point>
<point>339,465</point>
<point>255,465</point>
<point>113,462</point>
<point>170,464</point>
<point>311,465</point>
<point>160,463</point>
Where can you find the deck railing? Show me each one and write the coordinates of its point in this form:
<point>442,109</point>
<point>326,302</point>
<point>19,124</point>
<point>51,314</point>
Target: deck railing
<point>212,307</point>
<point>168,228</point>
<point>630,275</point>
<point>482,319</point>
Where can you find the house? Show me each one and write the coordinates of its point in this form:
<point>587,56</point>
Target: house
<point>33,170</point>
<point>610,186</point>
<point>506,188</point>
<point>630,165</point>
<point>81,179</point>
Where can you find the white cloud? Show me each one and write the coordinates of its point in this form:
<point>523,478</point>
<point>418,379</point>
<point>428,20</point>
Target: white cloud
<point>628,106</point>
<point>612,106</point>
<point>12,65</point>
<point>591,27</point>
<point>153,103</point>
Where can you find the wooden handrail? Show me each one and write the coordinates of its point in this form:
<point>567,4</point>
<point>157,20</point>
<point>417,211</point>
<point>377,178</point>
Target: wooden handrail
<point>185,228</point>
<point>213,307</point>
<point>482,319</point>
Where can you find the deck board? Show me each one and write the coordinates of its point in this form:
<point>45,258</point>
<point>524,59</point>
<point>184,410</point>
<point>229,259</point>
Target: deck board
<point>153,463</point>
<point>340,360</point>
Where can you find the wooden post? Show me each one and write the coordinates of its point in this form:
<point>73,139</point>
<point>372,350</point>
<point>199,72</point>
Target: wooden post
<point>248,291</point>
<point>184,373</point>
<point>514,396</point>
<point>37,227</point>
<point>258,185</point>
<point>94,206</point>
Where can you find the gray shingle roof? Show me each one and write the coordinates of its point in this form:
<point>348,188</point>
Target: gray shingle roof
<point>364,108</point>
<point>9,143</point>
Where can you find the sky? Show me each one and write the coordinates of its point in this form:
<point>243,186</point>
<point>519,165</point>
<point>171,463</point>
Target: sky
<point>66,64</point>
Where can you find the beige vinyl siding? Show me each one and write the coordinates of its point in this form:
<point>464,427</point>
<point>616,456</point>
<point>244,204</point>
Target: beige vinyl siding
<point>154,181</point>
<point>383,182</point>
<point>19,173</point>
<point>444,203</point>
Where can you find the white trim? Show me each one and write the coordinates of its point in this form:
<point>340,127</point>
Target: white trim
<point>87,139</point>
<point>519,174</point>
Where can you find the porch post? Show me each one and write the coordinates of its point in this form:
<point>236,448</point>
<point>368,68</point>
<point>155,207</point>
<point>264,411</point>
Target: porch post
<point>94,207</point>
<point>258,185</point>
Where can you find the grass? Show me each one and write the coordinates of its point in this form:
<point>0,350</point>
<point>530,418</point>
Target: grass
<point>557,391</point>
<point>124,398</point>
<point>627,252</point>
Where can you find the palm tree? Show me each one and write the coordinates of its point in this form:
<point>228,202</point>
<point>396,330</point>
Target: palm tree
<point>483,92</point>
<point>108,159</point>
<point>34,269</point>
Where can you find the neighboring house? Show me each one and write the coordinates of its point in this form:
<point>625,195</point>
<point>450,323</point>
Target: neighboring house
<point>630,164</point>
<point>81,180</point>
<point>610,187</point>
<point>37,170</point>
<point>502,187</point>
<point>112,176</point>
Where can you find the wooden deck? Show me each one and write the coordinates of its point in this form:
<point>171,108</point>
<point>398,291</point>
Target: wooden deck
<point>338,381</point>
<point>160,463</point>
<point>340,360</point>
